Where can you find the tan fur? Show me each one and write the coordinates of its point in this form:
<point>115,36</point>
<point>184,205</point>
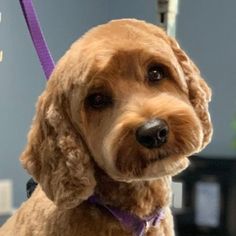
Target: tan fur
<point>74,151</point>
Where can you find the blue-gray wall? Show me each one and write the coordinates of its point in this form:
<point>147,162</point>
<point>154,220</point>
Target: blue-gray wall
<point>205,31</point>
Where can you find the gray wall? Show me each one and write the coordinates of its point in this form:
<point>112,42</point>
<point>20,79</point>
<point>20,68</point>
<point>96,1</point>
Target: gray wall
<point>204,31</point>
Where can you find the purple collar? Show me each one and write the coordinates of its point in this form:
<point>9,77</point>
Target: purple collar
<point>130,221</point>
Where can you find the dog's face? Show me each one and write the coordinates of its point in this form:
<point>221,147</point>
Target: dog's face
<point>136,116</point>
<point>129,98</point>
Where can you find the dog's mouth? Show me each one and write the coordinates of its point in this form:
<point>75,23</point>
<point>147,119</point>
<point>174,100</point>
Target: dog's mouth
<point>153,159</point>
<point>141,167</point>
<point>135,163</point>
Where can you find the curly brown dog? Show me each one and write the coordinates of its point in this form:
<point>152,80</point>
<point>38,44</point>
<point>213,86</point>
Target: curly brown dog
<point>121,113</point>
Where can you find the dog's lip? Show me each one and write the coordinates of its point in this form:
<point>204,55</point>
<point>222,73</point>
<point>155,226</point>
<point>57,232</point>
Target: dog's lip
<point>130,177</point>
<point>154,159</point>
<point>151,160</point>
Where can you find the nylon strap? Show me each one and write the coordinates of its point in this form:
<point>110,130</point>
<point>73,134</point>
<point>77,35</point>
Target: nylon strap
<point>37,36</point>
<point>132,222</point>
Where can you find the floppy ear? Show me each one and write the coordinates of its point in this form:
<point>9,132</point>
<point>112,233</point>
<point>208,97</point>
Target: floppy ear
<point>199,92</point>
<point>55,155</point>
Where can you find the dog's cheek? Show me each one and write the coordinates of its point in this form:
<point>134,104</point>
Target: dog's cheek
<point>93,132</point>
<point>187,133</point>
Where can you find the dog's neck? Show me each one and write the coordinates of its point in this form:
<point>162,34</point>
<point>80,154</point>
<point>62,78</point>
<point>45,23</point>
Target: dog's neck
<point>141,198</point>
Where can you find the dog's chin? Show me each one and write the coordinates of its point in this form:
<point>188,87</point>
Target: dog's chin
<point>168,166</point>
<point>155,168</point>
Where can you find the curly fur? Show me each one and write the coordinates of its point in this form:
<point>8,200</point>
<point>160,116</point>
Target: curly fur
<point>74,151</point>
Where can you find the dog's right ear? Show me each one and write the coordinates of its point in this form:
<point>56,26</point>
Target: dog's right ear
<point>199,92</point>
<point>55,154</point>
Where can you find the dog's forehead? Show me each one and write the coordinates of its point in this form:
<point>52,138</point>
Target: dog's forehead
<point>126,34</point>
<point>123,41</point>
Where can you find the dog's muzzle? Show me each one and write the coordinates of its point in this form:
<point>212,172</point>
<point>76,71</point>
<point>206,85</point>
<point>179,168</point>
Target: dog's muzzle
<point>153,133</point>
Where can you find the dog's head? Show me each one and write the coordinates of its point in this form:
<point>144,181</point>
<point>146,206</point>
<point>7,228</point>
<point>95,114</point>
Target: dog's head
<point>125,97</point>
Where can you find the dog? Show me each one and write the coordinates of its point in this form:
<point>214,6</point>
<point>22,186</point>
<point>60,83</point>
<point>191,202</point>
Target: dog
<point>123,110</point>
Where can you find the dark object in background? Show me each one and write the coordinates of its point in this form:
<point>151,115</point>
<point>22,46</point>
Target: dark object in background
<point>209,198</point>
<point>30,187</point>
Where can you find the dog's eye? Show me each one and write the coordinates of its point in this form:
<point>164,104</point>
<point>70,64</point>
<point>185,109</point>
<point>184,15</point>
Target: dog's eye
<point>98,101</point>
<point>156,73</point>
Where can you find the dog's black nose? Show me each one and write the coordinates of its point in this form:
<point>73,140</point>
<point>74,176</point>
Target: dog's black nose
<point>153,133</point>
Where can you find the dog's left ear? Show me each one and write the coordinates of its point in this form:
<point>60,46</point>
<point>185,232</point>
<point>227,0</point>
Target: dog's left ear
<point>199,92</point>
<point>56,155</point>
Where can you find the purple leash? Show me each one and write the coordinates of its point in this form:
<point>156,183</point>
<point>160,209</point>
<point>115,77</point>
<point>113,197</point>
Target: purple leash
<point>40,44</point>
<point>130,221</point>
